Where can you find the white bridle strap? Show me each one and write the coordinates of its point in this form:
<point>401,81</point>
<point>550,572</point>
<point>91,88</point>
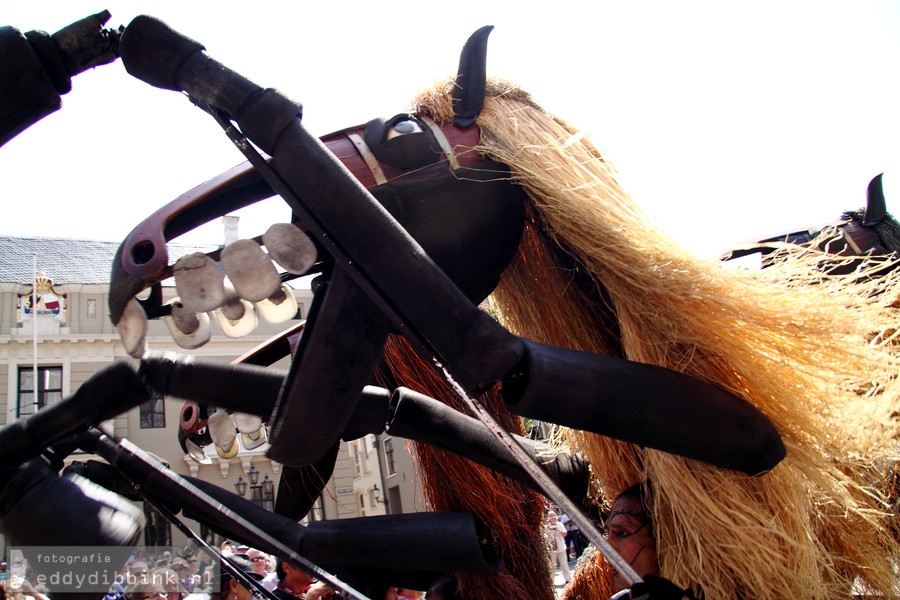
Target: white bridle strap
<point>442,141</point>
<point>367,156</point>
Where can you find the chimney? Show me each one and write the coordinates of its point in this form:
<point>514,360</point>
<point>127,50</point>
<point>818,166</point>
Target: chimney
<point>230,222</point>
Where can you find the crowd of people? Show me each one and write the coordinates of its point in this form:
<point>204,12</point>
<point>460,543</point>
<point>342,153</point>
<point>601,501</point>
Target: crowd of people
<point>192,574</point>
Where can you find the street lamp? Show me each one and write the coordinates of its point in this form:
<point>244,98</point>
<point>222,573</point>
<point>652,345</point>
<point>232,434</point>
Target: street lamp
<point>378,498</point>
<point>268,490</point>
<point>262,493</point>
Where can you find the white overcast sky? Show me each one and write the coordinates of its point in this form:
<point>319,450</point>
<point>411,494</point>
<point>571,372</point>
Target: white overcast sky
<point>728,121</point>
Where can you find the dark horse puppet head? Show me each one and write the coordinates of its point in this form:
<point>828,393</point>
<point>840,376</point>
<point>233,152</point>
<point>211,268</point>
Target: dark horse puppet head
<point>413,228</point>
<point>866,240</point>
<point>458,205</point>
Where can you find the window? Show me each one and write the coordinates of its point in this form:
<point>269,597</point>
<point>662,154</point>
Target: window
<point>364,455</point>
<point>389,457</point>
<point>49,389</point>
<point>354,455</point>
<point>153,413</point>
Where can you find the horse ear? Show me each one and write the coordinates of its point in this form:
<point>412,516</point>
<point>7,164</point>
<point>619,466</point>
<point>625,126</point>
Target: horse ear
<point>876,207</point>
<point>468,93</point>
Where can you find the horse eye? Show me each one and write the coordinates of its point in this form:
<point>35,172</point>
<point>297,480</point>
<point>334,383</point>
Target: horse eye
<point>403,128</point>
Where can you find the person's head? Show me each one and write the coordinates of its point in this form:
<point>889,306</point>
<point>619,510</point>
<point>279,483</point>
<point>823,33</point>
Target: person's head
<point>293,577</point>
<point>231,587</point>
<point>193,562</point>
<point>18,563</point>
<point>170,582</point>
<point>259,559</point>
<point>180,566</point>
<point>145,590</point>
<point>138,571</point>
<point>629,531</point>
<point>164,560</point>
<point>551,517</point>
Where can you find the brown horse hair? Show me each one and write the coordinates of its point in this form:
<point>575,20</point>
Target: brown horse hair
<point>511,512</point>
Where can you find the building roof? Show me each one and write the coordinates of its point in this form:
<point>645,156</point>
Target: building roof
<point>67,260</point>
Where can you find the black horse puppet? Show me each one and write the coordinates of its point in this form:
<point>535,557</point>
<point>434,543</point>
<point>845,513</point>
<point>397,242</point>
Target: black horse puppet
<point>659,365</point>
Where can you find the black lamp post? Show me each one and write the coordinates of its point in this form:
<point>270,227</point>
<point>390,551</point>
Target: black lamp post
<point>261,493</point>
<point>268,493</point>
<point>240,486</point>
<point>255,486</point>
<point>378,498</point>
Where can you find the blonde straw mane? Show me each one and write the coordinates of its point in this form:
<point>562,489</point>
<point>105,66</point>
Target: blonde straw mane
<point>812,352</point>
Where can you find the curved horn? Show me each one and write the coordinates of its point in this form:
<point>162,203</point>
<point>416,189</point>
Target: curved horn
<point>876,207</point>
<point>468,93</point>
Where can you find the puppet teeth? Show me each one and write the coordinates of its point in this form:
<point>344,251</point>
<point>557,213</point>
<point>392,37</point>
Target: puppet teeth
<point>247,423</point>
<point>254,440</point>
<point>190,330</point>
<point>199,282</point>
<point>279,307</point>
<point>196,453</point>
<point>221,429</point>
<point>251,272</point>
<point>236,317</point>
<point>290,248</point>
<point>190,417</point>
<point>132,328</point>
<point>229,452</point>
<point>192,444</point>
<point>232,308</point>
